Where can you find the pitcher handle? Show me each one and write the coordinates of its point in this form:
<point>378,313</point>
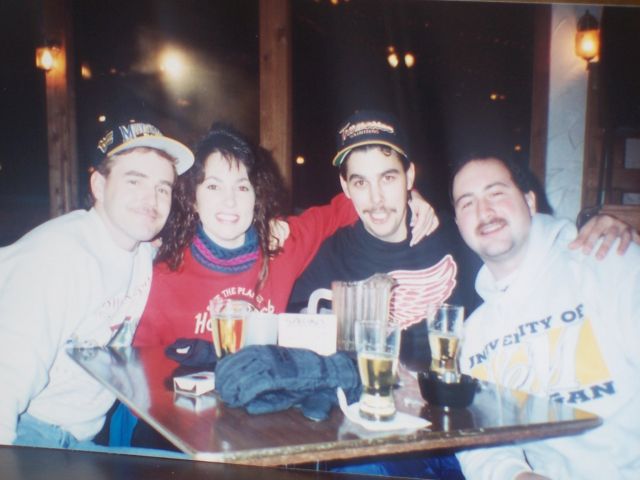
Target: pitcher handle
<point>316,296</point>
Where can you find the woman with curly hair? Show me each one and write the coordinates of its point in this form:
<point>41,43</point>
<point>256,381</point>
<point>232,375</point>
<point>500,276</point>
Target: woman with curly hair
<point>217,243</point>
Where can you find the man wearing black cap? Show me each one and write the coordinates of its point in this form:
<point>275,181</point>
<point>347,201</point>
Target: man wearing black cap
<point>81,279</point>
<point>376,174</point>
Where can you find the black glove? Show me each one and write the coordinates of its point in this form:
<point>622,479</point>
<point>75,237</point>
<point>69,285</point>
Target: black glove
<point>267,378</point>
<point>193,353</point>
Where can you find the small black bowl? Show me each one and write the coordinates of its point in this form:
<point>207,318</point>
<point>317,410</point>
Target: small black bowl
<point>453,395</point>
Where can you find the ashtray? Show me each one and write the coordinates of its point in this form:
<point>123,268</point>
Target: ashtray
<point>453,395</point>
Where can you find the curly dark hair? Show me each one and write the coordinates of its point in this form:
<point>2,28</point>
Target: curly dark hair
<point>264,176</point>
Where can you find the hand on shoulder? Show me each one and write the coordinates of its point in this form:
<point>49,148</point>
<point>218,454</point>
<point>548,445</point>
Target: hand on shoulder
<point>608,228</point>
<point>424,219</point>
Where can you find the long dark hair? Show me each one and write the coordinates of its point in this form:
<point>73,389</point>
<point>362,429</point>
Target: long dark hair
<point>264,177</point>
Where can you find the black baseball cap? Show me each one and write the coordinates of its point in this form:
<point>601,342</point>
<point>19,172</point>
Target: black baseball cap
<point>369,127</point>
<point>139,134</point>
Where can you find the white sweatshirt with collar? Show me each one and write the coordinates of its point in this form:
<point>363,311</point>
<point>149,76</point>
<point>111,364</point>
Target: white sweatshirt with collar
<point>565,326</point>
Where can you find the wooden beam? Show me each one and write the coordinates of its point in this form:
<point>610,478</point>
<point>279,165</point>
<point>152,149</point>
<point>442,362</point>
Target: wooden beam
<point>540,92</point>
<point>593,156</point>
<point>275,82</point>
<point>61,113</point>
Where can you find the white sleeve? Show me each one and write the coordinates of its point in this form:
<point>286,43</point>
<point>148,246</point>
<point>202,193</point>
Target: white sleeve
<point>502,463</point>
<point>35,296</point>
<point>629,302</point>
<point>620,299</point>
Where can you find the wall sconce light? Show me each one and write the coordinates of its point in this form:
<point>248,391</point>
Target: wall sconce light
<point>588,38</point>
<point>47,57</point>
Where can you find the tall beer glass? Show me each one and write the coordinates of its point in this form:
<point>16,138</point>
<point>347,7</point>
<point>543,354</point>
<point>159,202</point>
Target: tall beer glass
<point>445,333</point>
<point>378,347</point>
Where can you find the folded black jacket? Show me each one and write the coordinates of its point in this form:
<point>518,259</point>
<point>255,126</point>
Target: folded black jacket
<point>268,378</point>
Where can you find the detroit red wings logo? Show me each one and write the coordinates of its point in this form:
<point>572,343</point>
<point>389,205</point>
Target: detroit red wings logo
<point>418,288</point>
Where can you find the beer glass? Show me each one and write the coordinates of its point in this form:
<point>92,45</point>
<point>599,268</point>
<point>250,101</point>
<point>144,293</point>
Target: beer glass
<point>228,321</point>
<point>377,345</point>
<point>445,333</point>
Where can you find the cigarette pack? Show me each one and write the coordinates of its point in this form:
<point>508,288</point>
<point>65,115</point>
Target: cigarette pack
<point>194,384</point>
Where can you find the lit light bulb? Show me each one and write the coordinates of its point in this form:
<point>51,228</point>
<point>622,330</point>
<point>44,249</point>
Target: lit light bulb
<point>409,59</point>
<point>393,60</point>
<point>47,60</point>
<point>172,63</point>
<point>46,57</point>
<point>588,47</point>
<point>85,71</point>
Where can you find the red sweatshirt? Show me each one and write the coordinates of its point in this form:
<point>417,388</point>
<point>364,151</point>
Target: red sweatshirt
<point>178,301</point>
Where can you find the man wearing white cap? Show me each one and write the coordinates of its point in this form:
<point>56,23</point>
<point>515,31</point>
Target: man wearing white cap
<point>82,279</point>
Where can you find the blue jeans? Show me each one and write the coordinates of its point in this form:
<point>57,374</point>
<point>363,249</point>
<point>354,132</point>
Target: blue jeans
<point>442,467</point>
<point>36,433</point>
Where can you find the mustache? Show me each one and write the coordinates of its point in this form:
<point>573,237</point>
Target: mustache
<point>150,211</point>
<point>380,209</point>
<point>494,221</point>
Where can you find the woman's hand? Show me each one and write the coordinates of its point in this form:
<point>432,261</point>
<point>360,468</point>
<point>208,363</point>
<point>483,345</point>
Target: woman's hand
<point>423,218</point>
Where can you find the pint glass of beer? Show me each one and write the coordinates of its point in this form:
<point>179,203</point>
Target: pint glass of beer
<point>378,347</point>
<point>228,321</point>
<point>445,333</point>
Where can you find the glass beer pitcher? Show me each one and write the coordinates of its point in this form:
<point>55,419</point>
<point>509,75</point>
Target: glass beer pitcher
<point>367,299</point>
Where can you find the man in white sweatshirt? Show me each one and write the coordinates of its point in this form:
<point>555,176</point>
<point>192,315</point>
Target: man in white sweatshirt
<point>81,279</point>
<point>554,323</point>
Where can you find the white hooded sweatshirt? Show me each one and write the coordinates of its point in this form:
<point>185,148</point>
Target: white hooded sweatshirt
<point>564,326</point>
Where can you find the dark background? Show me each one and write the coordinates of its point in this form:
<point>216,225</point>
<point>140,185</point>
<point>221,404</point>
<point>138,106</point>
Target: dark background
<point>464,53</point>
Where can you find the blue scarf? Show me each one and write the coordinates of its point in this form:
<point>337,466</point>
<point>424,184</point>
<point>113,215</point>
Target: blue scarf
<point>227,260</point>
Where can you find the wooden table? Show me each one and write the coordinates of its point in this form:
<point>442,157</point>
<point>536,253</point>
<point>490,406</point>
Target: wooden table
<point>32,463</point>
<point>208,430</point>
